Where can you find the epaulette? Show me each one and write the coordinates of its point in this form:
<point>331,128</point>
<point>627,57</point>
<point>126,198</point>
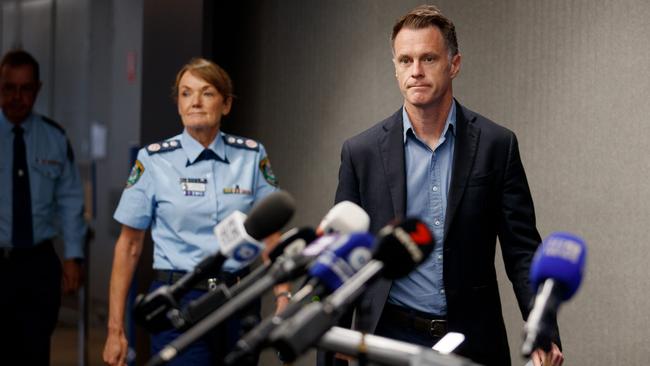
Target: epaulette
<point>164,146</point>
<point>241,142</point>
<point>60,128</point>
<point>54,124</point>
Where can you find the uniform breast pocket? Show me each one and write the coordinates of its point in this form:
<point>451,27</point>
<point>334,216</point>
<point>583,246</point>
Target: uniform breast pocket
<point>45,177</point>
<point>236,201</point>
<point>49,170</point>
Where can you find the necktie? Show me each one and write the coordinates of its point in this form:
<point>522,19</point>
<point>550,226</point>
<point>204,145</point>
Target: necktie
<point>22,229</point>
<point>206,154</point>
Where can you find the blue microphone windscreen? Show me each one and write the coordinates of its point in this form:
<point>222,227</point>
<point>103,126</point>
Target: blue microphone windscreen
<point>341,261</point>
<point>560,257</point>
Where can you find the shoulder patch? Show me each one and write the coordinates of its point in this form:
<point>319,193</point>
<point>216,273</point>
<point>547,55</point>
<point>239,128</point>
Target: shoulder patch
<point>54,124</point>
<point>136,173</point>
<point>267,172</point>
<point>163,146</point>
<point>241,142</point>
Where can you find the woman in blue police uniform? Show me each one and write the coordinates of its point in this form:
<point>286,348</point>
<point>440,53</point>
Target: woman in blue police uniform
<point>181,188</point>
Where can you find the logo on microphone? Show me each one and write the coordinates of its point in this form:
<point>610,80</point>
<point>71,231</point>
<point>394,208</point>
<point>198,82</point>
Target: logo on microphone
<point>562,248</point>
<point>359,257</point>
<point>245,252</point>
<point>421,235</point>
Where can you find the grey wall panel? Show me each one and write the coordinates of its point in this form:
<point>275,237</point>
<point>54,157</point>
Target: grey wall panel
<point>172,34</point>
<point>28,25</point>
<point>116,104</point>
<point>71,91</point>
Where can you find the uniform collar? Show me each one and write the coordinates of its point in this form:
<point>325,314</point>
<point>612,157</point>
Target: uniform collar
<point>193,148</point>
<point>7,125</point>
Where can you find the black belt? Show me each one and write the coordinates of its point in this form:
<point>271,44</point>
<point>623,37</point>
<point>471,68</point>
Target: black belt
<point>27,251</point>
<point>169,277</point>
<point>434,326</point>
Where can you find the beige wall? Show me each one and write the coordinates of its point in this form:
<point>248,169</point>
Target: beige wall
<point>571,78</point>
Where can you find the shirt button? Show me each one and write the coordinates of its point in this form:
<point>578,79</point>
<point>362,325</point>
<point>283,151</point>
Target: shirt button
<point>437,223</point>
<point>435,188</point>
<point>442,291</point>
<point>439,256</point>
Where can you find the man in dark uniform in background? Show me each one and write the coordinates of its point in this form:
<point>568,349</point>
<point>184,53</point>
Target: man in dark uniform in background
<point>40,196</point>
<point>459,172</point>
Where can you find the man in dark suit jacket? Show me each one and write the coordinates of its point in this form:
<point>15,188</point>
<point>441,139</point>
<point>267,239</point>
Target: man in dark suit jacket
<point>472,172</point>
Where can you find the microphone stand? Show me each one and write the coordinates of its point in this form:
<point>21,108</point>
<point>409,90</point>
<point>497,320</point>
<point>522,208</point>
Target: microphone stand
<point>385,351</point>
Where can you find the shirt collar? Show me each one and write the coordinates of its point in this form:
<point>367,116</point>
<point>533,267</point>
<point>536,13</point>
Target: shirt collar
<point>193,148</point>
<point>451,121</point>
<point>7,125</point>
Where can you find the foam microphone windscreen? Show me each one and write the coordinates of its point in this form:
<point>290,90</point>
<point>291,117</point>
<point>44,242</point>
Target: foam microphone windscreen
<point>344,218</point>
<point>336,265</point>
<point>561,257</point>
<point>293,242</point>
<point>269,215</point>
<point>403,246</point>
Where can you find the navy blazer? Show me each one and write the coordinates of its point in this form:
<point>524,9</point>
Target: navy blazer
<point>488,198</point>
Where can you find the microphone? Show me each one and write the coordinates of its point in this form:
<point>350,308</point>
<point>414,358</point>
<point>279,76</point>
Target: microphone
<point>282,271</point>
<point>291,244</point>
<point>239,237</point>
<point>556,272</point>
<point>399,249</point>
<point>345,217</point>
<point>332,268</point>
<point>386,351</point>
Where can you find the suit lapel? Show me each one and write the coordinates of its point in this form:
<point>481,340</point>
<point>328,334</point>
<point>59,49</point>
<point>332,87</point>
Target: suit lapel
<point>467,138</point>
<point>391,145</point>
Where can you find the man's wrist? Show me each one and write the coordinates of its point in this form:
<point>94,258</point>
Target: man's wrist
<point>115,330</point>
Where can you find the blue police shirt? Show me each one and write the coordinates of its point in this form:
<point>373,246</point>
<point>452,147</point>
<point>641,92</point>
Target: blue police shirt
<point>428,175</point>
<point>183,198</point>
<point>55,185</point>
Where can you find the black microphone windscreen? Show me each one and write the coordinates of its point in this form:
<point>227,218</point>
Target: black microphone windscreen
<point>403,246</point>
<point>269,215</point>
<point>294,241</point>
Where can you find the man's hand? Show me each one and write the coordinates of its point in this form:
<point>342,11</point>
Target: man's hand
<point>552,358</point>
<point>72,277</point>
<point>116,348</point>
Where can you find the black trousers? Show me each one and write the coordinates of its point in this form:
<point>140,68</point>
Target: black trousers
<point>30,297</point>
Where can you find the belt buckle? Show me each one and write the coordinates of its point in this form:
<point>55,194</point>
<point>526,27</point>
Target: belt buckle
<point>212,284</point>
<point>438,328</point>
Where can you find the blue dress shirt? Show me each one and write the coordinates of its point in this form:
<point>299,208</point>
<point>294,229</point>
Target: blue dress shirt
<point>55,185</point>
<point>182,196</point>
<point>428,173</point>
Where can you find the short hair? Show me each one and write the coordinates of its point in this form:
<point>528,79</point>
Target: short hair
<point>425,16</point>
<point>18,57</point>
<point>208,71</point>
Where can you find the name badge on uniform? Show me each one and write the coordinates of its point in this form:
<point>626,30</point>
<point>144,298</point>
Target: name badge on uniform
<point>194,186</point>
